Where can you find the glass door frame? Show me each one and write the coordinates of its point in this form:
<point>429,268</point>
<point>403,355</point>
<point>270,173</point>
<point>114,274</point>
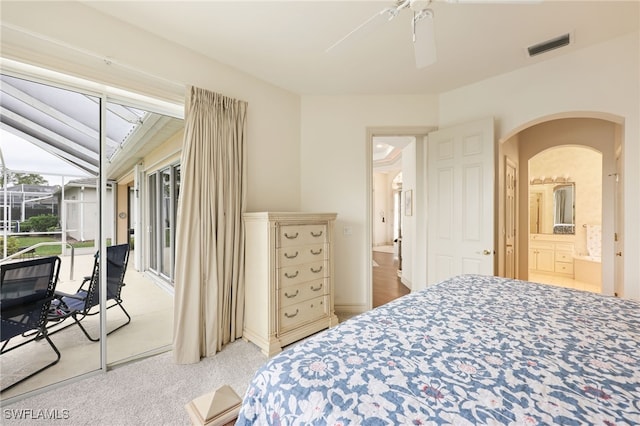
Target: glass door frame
<point>104,94</point>
<point>157,210</point>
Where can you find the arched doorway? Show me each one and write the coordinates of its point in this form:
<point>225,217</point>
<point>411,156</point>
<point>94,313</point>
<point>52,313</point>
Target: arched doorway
<point>601,132</point>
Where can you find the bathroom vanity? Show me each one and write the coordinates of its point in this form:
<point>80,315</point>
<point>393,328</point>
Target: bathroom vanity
<point>551,254</point>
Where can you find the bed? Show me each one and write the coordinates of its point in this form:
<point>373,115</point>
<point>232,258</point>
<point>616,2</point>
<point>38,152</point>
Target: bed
<point>469,350</point>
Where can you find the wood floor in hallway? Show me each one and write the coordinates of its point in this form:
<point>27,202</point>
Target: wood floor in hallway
<point>386,283</point>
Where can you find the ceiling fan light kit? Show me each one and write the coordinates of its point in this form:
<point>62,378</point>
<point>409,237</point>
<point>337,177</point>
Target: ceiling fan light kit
<point>423,29</point>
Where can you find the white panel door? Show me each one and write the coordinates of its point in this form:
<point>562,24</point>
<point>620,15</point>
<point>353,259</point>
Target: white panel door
<point>460,197</point>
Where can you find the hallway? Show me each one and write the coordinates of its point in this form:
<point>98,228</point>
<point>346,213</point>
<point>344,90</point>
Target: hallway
<point>386,283</point>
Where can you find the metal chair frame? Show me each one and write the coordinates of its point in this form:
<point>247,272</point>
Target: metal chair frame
<point>28,309</point>
<point>65,304</point>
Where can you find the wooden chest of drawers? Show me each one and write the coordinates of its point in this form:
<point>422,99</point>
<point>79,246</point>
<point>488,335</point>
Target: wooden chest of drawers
<point>288,277</point>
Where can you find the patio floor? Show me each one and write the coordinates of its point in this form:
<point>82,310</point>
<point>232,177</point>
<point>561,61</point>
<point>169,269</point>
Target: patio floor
<point>150,331</point>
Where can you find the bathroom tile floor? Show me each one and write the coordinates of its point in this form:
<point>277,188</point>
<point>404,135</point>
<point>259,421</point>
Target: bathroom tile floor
<point>563,282</point>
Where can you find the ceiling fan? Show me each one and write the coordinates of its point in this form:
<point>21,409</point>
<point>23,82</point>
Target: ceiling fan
<point>421,27</point>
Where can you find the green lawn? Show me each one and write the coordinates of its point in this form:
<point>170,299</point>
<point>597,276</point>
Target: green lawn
<point>49,250</point>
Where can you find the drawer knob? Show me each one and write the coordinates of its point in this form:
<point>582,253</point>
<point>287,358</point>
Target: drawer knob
<point>315,271</point>
<point>315,253</point>
<point>286,274</point>
<point>291,237</point>
<point>292,315</point>
<point>316,289</point>
<point>291,296</point>
<point>293,256</point>
<point>313,234</point>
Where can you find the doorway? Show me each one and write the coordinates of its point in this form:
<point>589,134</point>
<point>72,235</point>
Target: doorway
<point>388,216</point>
<point>599,134</point>
<point>475,142</point>
<point>163,187</point>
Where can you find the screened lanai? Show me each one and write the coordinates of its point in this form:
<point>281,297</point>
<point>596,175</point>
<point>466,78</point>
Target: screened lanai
<point>56,166</point>
<point>65,125</point>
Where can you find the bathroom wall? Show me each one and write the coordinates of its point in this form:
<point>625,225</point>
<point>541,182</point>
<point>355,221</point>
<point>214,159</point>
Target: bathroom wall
<point>584,167</point>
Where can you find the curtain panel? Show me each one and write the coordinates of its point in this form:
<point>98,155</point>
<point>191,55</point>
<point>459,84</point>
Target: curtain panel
<point>209,271</point>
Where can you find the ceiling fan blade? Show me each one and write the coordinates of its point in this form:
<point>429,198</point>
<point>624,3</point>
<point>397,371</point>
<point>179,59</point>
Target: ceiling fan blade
<point>370,24</point>
<point>424,42</point>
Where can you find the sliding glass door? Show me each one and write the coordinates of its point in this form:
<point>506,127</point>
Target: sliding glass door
<point>74,185</point>
<point>163,188</point>
<point>53,205</point>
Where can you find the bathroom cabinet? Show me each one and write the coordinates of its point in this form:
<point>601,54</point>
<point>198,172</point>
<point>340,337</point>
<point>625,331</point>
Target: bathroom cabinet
<point>551,254</point>
<point>541,257</point>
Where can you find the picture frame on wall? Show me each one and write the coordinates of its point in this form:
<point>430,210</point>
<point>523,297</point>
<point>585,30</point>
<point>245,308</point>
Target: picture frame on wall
<point>408,202</point>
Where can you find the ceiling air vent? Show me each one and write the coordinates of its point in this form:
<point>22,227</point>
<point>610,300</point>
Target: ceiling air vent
<point>545,46</point>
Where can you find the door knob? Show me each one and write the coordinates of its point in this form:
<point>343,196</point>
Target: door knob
<point>486,252</point>
<point>619,253</point>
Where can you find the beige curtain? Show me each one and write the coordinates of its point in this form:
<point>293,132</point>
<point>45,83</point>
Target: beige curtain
<point>209,274</point>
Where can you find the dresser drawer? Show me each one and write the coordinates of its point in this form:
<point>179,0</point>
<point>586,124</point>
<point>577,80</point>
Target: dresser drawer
<point>297,274</point>
<point>301,235</point>
<point>564,256</point>
<point>564,268</point>
<point>300,292</point>
<point>288,256</point>
<point>288,277</point>
<point>300,313</point>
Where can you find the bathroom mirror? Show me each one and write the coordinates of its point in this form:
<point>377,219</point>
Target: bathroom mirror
<point>563,209</point>
<point>552,208</point>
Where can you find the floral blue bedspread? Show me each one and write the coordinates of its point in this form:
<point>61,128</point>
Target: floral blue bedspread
<point>470,350</point>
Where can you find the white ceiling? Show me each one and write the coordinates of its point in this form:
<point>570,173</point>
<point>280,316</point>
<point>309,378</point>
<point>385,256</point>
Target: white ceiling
<point>284,42</point>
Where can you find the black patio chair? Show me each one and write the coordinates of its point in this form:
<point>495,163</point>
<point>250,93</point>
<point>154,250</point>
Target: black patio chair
<point>27,288</point>
<point>81,305</point>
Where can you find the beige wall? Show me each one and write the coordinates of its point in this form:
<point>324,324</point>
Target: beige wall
<point>599,81</point>
<point>584,167</point>
<point>309,152</point>
<point>273,124</point>
<point>334,173</point>
<point>166,154</point>
<point>122,214</point>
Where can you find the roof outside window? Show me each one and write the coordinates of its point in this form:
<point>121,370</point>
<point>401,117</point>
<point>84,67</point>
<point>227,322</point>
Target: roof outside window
<point>65,123</point>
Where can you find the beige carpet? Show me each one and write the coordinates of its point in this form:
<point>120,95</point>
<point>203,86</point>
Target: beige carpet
<point>152,391</point>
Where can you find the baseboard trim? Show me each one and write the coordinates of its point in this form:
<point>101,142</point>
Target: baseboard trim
<point>351,309</point>
<point>406,282</point>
